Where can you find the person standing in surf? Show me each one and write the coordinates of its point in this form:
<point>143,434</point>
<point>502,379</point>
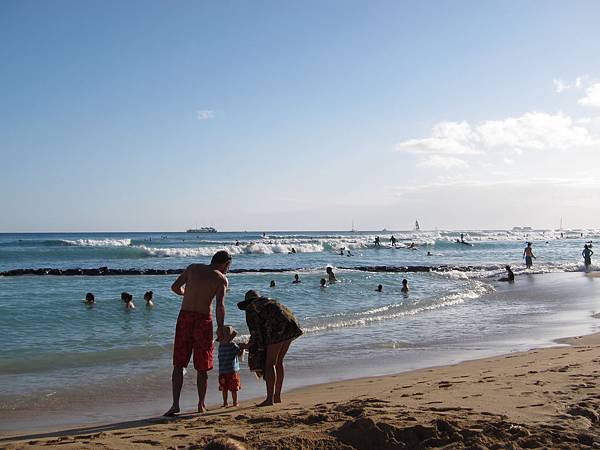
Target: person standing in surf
<point>587,256</point>
<point>198,284</point>
<point>528,255</point>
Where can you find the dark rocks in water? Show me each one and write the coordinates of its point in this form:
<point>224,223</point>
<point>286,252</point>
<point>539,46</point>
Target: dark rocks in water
<point>151,271</point>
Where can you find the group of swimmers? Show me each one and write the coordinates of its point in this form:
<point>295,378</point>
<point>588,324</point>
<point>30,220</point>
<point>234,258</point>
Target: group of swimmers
<point>126,298</point>
<point>331,278</point>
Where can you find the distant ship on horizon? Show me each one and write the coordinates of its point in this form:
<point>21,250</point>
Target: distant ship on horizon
<point>202,230</point>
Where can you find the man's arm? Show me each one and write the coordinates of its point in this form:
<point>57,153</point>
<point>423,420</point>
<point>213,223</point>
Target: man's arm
<point>179,286</point>
<point>220,308</point>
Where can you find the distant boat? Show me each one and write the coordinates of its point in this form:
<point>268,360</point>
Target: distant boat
<point>522,229</point>
<point>417,227</point>
<point>353,230</point>
<point>202,230</point>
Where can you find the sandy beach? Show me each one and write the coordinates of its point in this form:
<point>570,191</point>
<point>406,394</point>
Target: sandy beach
<point>545,398</point>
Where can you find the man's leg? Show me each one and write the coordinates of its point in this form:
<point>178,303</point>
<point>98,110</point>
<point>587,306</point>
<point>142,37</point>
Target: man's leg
<point>234,398</point>
<point>279,371</point>
<point>271,360</point>
<point>177,383</point>
<point>201,382</point>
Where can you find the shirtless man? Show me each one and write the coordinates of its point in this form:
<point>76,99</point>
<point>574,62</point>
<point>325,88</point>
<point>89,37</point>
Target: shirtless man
<point>528,255</point>
<point>198,284</point>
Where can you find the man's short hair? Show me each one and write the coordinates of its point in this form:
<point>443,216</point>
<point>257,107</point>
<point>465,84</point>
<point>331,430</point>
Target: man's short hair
<point>221,257</point>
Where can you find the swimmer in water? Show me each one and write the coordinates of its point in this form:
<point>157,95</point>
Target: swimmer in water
<point>323,283</point>
<point>128,300</point>
<point>296,279</point>
<point>349,253</point>
<point>272,284</point>
<point>379,288</point>
<point>342,251</point>
<point>331,275</point>
<point>429,254</point>
<point>405,288</point>
<point>510,276</point>
<point>90,299</point>
<point>148,297</point>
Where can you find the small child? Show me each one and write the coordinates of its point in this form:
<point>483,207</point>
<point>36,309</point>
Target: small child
<point>323,283</point>
<point>148,297</point>
<point>229,365</point>
<point>404,286</point>
<point>90,299</point>
<point>128,300</point>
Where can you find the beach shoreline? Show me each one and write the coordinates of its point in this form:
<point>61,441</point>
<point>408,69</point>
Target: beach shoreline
<point>543,396</point>
<point>571,320</point>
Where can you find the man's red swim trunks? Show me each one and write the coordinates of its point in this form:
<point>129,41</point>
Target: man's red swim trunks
<point>194,331</point>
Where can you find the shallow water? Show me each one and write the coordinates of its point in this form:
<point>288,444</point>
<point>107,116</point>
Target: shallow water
<point>107,363</point>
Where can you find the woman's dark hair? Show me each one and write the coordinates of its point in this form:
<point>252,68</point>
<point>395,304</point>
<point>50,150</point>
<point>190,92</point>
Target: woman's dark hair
<point>89,297</point>
<point>126,296</point>
<point>148,294</point>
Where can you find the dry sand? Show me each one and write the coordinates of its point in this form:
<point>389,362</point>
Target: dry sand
<point>547,398</point>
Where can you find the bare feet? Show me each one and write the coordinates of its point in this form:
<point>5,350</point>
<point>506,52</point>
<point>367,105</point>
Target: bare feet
<point>172,412</point>
<point>235,405</point>
<point>201,408</point>
<point>265,403</point>
<point>276,399</point>
<point>224,405</point>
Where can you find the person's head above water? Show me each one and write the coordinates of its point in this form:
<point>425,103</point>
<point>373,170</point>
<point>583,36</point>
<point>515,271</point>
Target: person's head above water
<point>126,297</point>
<point>379,287</point>
<point>296,277</point>
<point>329,269</point>
<point>148,296</point>
<point>404,282</point>
<point>89,298</point>
<point>221,261</point>
<point>323,282</point>
<point>272,284</point>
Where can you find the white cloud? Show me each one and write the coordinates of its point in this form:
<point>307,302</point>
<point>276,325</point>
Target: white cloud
<point>534,131</point>
<point>592,96</point>
<point>443,162</point>
<point>561,86</point>
<point>448,138</point>
<point>205,114</point>
<point>531,131</point>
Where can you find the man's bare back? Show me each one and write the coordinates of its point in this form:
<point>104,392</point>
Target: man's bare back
<point>200,284</point>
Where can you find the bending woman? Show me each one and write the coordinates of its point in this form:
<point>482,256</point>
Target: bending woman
<point>272,327</point>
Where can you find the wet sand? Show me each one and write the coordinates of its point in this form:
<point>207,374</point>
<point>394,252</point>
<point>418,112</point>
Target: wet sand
<point>535,399</point>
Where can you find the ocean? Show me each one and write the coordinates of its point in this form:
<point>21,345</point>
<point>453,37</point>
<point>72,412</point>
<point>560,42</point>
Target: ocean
<point>63,362</point>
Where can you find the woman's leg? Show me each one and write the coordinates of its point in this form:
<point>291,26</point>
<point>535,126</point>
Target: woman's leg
<point>269,375</point>
<point>279,371</point>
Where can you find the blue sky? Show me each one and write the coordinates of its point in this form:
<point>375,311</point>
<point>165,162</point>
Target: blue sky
<point>298,115</point>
